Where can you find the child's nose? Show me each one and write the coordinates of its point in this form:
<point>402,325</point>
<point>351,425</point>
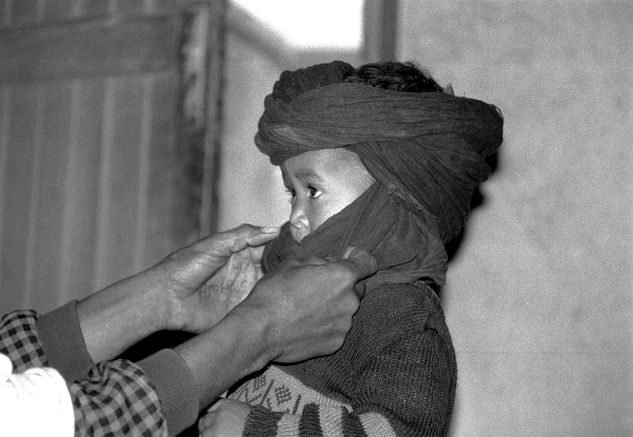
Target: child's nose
<point>299,222</point>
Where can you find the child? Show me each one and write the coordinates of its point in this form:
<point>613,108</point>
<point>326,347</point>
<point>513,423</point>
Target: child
<point>380,158</point>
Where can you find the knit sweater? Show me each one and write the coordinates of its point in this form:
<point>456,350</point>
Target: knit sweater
<point>394,375</point>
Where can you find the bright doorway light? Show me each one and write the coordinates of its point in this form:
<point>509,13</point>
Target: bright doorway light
<point>311,23</point>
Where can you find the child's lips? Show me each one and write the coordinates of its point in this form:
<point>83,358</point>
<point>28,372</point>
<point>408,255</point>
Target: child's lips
<point>298,233</point>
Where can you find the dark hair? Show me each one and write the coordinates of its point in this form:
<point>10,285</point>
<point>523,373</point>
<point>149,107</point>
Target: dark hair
<point>395,76</point>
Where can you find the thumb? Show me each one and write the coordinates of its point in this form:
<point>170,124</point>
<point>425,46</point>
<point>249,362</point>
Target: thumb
<point>362,260</point>
<point>237,239</point>
<point>364,263</point>
<point>264,235</point>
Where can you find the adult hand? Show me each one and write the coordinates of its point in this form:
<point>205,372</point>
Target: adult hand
<point>207,279</point>
<point>301,310</point>
<point>308,305</point>
<point>191,289</point>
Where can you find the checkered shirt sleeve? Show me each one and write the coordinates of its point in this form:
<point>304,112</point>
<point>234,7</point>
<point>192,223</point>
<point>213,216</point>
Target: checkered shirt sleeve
<point>115,399</point>
<point>18,340</point>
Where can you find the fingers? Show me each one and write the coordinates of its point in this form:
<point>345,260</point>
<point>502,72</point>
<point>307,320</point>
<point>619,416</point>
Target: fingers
<point>205,421</point>
<point>214,407</point>
<point>248,235</point>
<point>263,236</point>
<point>311,261</point>
<point>358,261</point>
<point>239,238</point>
<point>256,254</point>
<point>361,261</point>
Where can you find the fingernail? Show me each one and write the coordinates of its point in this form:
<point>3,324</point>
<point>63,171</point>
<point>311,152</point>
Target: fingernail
<point>348,251</point>
<point>363,259</point>
<point>269,229</point>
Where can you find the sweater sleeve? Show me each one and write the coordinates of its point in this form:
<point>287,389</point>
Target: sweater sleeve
<point>398,393</point>
<point>413,391</point>
<point>407,373</point>
<point>63,342</point>
<point>176,388</point>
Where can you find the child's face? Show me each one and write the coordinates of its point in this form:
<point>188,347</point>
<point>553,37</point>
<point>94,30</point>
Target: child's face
<point>322,183</point>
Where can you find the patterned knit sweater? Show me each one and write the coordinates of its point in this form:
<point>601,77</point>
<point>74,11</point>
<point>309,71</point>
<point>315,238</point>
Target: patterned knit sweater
<point>395,375</point>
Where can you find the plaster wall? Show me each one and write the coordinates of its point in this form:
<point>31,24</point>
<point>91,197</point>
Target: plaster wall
<point>539,294</point>
<point>250,188</point>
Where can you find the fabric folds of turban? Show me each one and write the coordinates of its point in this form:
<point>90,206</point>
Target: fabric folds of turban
<point>426,150</point>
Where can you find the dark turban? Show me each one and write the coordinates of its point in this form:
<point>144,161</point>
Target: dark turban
<point>426,150</point>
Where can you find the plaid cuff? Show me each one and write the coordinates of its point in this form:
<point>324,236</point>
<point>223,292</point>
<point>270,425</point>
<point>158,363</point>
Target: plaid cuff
<point>117,399</point>
<point>19,341</point>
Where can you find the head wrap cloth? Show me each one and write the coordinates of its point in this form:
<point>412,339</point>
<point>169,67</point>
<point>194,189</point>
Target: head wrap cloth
<point>426,150</point>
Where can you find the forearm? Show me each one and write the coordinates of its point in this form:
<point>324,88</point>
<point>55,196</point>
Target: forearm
<point>119,316</point>
<point>231,350</point>
<point>171,294</point>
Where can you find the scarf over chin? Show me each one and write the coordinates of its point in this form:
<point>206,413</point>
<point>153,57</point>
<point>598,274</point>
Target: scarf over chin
<point>426,151</point>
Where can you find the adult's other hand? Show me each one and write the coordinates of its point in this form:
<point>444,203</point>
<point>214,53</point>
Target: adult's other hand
<point>213,275</point>
<point>191,289</point>
<point>308,305</point>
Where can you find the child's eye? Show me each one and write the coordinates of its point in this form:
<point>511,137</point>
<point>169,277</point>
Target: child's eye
<point>313,192</point>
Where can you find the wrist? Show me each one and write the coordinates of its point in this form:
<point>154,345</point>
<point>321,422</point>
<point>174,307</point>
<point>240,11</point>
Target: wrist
<point>160,294</point>
<point>150,302</point>
<point>257,324</point>
<point>118,316</point>
<point>226,353</point>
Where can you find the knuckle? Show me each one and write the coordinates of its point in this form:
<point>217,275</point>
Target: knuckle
<point>342,333</point>
<point>338,344</point>
<point>342,273</point>
<point>353,302</point>
<point>335,343</point>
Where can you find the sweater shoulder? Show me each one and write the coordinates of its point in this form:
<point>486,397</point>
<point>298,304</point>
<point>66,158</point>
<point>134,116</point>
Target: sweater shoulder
<point>411,307</point>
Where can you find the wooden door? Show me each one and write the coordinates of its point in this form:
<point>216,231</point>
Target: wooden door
<point>108,124</point>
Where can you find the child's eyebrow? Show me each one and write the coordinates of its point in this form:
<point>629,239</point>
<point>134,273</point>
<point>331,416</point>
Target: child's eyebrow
<point>308,174</point>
